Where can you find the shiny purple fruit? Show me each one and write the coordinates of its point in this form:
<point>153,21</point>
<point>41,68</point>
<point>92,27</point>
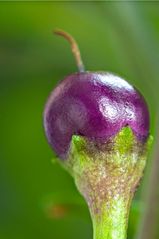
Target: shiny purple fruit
<point>94,105</point>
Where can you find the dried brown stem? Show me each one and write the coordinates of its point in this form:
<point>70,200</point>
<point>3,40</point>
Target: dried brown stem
<point>74,47</point>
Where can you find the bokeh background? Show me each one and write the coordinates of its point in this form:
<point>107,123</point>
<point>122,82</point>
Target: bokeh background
<point>38,199</point>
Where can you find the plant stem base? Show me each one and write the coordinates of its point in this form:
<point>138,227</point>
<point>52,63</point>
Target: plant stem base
<point>111,222</point>
<point>107,175</point>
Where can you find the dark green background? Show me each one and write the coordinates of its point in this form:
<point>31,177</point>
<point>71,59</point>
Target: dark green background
<point>38,198</point>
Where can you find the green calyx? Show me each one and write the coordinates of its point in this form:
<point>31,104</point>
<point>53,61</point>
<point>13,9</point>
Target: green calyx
<point>107,175</point>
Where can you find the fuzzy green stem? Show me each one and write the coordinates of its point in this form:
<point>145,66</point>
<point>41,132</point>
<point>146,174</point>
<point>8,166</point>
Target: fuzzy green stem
<point>107,176</point>
<point>112,221</point>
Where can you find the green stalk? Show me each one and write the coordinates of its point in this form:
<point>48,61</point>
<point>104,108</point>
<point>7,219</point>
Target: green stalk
<point>107,175</point>
<point>112,222</point>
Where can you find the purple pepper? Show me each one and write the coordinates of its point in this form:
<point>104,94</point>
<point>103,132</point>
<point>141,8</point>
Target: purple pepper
<point>96,105</point>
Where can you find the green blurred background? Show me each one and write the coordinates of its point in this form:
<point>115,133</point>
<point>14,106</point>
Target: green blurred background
<point>38,198</point>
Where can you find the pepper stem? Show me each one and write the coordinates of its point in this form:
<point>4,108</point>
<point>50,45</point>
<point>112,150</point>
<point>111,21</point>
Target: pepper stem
<point>74,47</point>
<point>107,178</point>
<point>112,219</point>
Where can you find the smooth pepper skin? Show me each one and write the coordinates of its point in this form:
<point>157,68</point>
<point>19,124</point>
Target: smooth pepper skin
<point>96,105</point>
